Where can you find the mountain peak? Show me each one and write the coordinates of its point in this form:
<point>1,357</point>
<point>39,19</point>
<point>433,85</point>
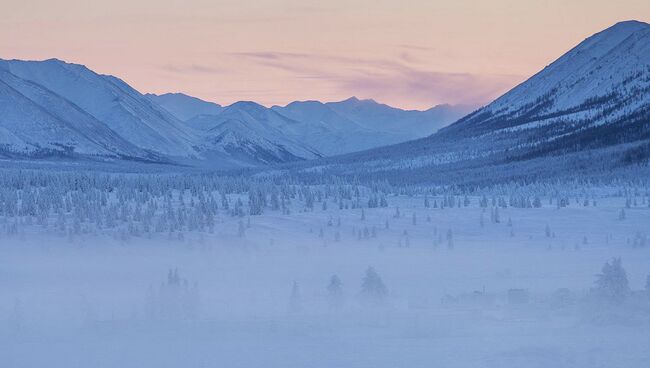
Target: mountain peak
<point>246,105</point>
<point>614,35</point>
<point>354,100</point>
<point>171,94</point>
<point>180,96</point>
<point>301,104</point>
<point>65,64</point>
<point>630,24</point>
<point>54,60</point>
<point>183,106</point>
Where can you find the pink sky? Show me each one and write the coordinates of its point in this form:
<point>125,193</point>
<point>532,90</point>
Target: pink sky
<point>408,53</point>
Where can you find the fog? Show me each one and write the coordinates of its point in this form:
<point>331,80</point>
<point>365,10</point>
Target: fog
<point>453,287</point>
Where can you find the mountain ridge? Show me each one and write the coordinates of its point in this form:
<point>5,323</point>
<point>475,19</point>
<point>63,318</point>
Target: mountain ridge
<point>331,132</point>
<point>111,101</point>
<point>592,99</point>
<point>68,110</point>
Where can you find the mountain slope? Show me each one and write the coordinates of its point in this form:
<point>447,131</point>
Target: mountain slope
<point>34,122</point>
<point>355,125</point>
<point>329,132</point>
<point>327,128</point>
<point>251,131</point>
<point>110,101</point>
<point>602,80</point>
<point>409,124</point>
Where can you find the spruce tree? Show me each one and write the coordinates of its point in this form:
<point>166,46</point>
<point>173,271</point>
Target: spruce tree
<point>373,290</point>
<point>335,292</point>
<point>611,283</point>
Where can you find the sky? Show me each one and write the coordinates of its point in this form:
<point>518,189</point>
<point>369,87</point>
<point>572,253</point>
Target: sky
<point>407,53</point>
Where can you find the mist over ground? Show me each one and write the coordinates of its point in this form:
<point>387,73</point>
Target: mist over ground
<point>345,276</point>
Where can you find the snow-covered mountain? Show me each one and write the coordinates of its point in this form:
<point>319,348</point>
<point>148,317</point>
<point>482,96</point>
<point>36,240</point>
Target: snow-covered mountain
<point>111,101</point>
<point>308,129</point>
<point>604,80</point>
<point>34,121</point>
<point>411,124</point>
<point>593,101</point>
<point>354,125</point>
<point>330,132</point>
<point>247,129</point>
<point>589,110</point>
<point>185,107</point>
<point>52,108</point>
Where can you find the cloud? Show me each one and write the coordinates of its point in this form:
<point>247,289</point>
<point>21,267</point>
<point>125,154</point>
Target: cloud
<point>192,68</point>
<point>422,87</point>
<point>396,81</point>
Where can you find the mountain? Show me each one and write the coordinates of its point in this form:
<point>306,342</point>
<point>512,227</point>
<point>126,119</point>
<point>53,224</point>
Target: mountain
<point>589,111</point>
<point>36,122</point>
<point>185,107</point>
<point>56,109</point>
<point>115,109</point>
<point>410,124</point>
<point>602,81</point>
<point>355,125</point>
<point>597,95</point>
<point>304,130</point>
<point>247,129</point>
<point>329,132</point>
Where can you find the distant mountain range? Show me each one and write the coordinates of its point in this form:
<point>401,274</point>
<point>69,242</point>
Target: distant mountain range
<point>59,110</point>
<point>324,128</point>
<point>588,110</point>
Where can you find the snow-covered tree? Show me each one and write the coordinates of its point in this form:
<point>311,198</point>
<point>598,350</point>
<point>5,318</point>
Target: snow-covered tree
<point>241,231</point>
<point>373,289</point>
<point>335,292</point>
<point>611,283</point>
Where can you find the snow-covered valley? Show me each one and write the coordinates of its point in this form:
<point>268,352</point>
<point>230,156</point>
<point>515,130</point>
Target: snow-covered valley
<point>145,230</point>
<point>113,274</point>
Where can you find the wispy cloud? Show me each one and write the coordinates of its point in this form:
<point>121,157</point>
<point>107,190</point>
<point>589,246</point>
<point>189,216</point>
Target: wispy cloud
<point>192,68</point>
<point>389,79</point>
<point>423,86</point>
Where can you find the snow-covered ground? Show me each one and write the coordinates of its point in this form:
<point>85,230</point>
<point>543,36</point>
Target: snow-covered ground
<point>462,292</point>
